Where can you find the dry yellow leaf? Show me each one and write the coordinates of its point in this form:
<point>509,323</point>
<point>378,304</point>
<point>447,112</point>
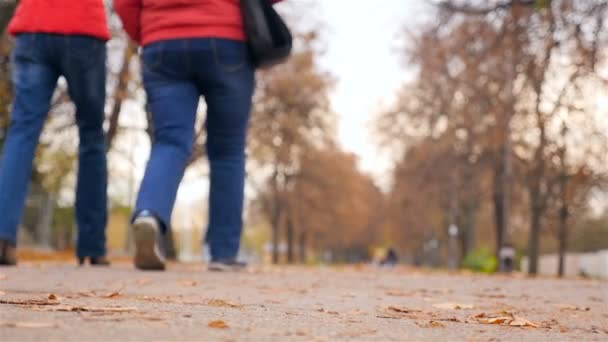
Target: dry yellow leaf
<point>218,324</point>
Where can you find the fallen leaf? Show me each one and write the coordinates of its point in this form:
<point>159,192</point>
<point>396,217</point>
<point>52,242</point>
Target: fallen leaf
<point>112,295</point>
<point>454,306</point>
<point>223,303</point>
<point>28,302</point>
<point>29,325</point>
<point>430,324</point>
<point>564,329</point>
<point>597,330</point>
<point>569,307</point>
<point>502,318</point>
<point>52,296</point>
<point>218,324</point>
<point>401,309</point>
<point>69,308</point>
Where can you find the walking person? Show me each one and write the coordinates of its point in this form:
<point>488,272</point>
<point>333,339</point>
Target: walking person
<point>57,38</point>
<point>192,48</point>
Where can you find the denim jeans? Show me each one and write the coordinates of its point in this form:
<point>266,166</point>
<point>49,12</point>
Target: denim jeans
<point>38,61</point>
<point>176,73</point>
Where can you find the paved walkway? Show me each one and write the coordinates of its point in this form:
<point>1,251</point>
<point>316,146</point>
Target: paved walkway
<point>54,301</point>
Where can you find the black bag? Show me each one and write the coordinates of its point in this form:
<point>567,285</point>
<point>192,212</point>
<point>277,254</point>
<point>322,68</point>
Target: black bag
<point>268,37</point>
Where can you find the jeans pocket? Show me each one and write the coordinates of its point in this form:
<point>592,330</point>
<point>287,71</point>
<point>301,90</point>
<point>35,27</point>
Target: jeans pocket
<point>230,55</point>
<point>86,51</point>
<point>25,47</point>
<point>152,57</point>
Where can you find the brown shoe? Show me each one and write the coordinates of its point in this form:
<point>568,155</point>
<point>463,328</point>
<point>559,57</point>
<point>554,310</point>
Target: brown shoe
<point>8,253</point>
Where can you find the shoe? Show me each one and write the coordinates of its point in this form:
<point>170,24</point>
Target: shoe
<point>8,253</point>
<point>94,261</point>
<point>146,230</point>
<point>228,265</point>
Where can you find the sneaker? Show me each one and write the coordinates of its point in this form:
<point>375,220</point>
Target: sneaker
<point>148,256</point>
<point>94,261</point>
<point>230,265</point>
<point>8,253</point>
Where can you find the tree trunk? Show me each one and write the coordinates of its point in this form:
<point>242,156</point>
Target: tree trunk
<point>276,221</point>
<point>498,207</point>
<point>563,236</point>
<point>120,94</point>
<point>302,249</point>
<point>534,241</point>
<point>290,241</point>
<point>7,8</point>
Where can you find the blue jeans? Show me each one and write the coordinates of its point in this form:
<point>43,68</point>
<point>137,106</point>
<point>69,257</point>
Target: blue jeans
<point>176,73</point>
<point>39,60</point>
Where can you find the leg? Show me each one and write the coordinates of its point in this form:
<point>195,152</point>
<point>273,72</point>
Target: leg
<point>173,104</point>
<point>34,83</point>
<point>229,107</point>
<point>85,73</point>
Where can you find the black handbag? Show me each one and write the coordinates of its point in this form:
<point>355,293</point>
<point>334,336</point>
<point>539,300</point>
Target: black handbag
<point>269,39</point>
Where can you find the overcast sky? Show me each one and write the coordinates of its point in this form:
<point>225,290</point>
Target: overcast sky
<point>362,53</point>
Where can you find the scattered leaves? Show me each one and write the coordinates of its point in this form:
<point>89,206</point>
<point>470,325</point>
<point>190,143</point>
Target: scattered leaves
<point>218,324</point>
<point>453,306</point>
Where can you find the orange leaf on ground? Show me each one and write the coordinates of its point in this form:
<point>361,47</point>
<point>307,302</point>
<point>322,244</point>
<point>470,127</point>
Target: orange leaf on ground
<point>218,324</point>
<point>113,295</point>
<point>52,296</point>
<point>223,303</point>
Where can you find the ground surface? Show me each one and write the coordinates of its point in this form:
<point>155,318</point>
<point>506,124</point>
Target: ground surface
<point>58,301</point>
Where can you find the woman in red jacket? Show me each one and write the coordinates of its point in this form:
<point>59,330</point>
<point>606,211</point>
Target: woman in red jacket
<point>192,48</point>
<point>57,38</point>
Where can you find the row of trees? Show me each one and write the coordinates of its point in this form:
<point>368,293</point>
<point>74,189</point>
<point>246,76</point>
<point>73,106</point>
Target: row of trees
<point>502,111</point>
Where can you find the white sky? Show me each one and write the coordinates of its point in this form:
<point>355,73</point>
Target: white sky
<point>362,54</point>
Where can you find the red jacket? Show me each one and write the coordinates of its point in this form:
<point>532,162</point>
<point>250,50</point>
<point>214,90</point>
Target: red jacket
<point>148,21</point>
<point>82,17</point>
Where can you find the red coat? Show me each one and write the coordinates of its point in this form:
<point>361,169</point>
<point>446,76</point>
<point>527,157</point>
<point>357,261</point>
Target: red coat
<point>148,21</point>
<point>78,17</point>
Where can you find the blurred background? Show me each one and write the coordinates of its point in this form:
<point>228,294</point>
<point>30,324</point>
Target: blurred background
<point>454,134</point>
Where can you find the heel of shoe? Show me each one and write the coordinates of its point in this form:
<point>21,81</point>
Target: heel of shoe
<point>147,255</point>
